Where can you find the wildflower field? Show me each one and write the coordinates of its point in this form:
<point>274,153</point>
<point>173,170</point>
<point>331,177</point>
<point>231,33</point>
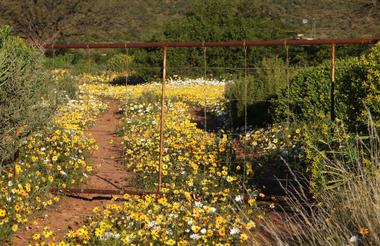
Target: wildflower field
<point>217,164</point>
<point>201,193</point>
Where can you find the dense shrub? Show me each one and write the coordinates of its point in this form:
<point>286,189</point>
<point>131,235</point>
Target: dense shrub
<point>268,80</point>
<point>119,62</point>
<point>23,86</point>
<point>357,85</point>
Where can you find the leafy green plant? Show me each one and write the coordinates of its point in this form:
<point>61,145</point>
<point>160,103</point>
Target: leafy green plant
<point>357,86</point>
<point>119,63</point>
<point>23,89</point>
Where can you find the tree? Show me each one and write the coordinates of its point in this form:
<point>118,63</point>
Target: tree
<point>222,20</point>
<point>49,21</point>
<point>226,20</point>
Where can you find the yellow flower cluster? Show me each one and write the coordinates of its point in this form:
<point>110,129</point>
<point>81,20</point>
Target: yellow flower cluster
<point>54,157</point>
<point>77,114</point>
<point>159,220</point>
<point>196,95</point>
<point>277,137</point>
<point>190,158</point>
<point>275,144</point>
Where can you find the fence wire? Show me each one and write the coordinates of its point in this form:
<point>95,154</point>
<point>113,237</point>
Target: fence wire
<point>233,128</point>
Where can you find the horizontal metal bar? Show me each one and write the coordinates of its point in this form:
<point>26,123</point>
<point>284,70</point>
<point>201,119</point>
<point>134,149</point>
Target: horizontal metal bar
<point>100,191</point>
<point>288,42</point>
<point>75,191</point>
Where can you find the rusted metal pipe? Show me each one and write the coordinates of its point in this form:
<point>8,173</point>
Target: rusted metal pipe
<point>99,191</point>
<point>159,181</point>
<point>86,191</point>
<point>290,42</point>
<point>287,82</point>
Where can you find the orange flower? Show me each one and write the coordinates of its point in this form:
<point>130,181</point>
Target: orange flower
<point>222,232</point>
<point>363,230</point>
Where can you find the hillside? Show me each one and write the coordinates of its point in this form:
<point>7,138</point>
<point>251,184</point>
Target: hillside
<point>88,20</point>
<point>138,20</point>
<point>331,18</point>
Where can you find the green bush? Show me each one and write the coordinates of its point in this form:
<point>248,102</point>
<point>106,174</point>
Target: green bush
<point>23,89</point>
<point>356,94</point>
<point>357,86</point>
<point>119,62</point>
<point>268,80</point>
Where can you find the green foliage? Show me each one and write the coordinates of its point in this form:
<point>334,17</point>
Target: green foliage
<point>62,61</point>
<point>224,20</point>
<point>51,21</point>
<point>371,96</point>
<point>148,63</point>
<point>120,21</point>
<point>309,92</point>
<point>357,86</point>
<point>78,61</point>
<point>214,20</point>
<point>356,94</point>
<point>23,101</point>
<point>269,78</point>
<point>119,63</point>
<point>28,96</point>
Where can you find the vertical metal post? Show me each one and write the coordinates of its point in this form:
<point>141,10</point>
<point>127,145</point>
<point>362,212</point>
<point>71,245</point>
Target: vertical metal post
<point>332,87</point>
<point>205,73</point>
<point>287,81</point>
<point>159,183</point>
<point>88,59</point>
<point>204,60</point>
<point>245,109</point>
<point>126,65</point>
<point>54,67</point>
<point>245,89</point>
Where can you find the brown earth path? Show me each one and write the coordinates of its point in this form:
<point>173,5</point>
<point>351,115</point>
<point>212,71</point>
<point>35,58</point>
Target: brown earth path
<point>70,212</point>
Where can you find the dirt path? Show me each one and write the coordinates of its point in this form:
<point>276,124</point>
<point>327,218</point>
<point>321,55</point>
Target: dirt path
<point>69,213</point>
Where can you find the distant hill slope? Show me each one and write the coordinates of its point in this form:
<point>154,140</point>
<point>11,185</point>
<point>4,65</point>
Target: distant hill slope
<point>89,20</point>
<point>331,18</point>
<point>138,20</point>
<point>145,18</point>
<point>314,19</point>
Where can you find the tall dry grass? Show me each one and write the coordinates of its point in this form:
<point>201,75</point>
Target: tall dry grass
<point>346,214</point>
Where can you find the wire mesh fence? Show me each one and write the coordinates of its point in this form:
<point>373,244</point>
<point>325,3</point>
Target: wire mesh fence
<point>229,101</point>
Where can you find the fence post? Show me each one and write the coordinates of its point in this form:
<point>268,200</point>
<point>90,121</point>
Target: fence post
<point>245,109</point>
<point>287,81</point>
<point>126,72</point>
<point>332,86</point>
<point>159,183</point>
